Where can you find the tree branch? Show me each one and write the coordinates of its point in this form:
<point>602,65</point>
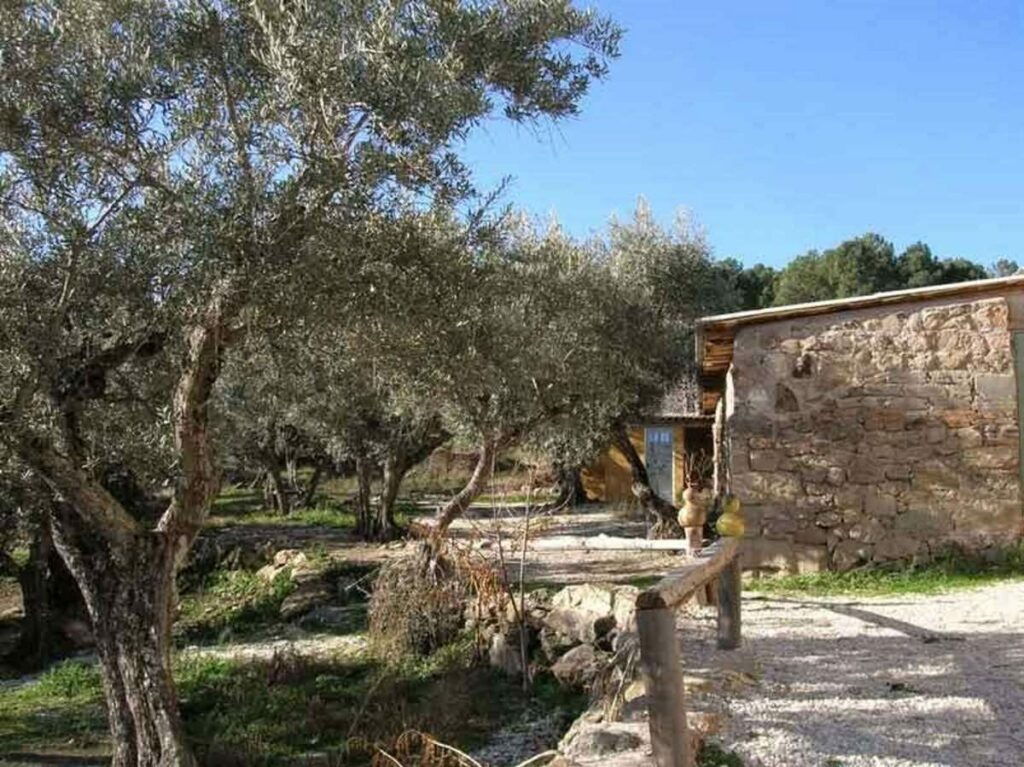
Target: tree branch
<point>90,501</point>
<point>199,482</point>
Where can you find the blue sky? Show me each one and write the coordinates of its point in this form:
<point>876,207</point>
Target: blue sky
<point>784,126</point>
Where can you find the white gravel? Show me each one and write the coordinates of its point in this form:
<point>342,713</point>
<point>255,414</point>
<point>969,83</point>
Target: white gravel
<point>901,681</point>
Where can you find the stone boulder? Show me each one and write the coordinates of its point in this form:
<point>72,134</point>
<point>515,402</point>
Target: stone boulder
<point>308,595</point>
<point>580,666</point>
<point>587,612</point>
<point>286,559</point>
<point>605,743</point>
<point>504,653</point>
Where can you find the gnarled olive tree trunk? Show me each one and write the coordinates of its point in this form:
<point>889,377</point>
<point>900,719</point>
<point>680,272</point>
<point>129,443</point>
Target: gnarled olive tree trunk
<point>570,486</point>
<point>124,568</point>
<point>129,594</point>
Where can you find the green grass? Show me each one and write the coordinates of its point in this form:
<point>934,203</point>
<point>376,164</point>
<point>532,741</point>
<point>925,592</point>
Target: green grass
<point>244,506</point>
<point>232,604</point>
<point>949,572</point>
<point>713,755</point>
<point>262,713</point>
<point>64,705</point>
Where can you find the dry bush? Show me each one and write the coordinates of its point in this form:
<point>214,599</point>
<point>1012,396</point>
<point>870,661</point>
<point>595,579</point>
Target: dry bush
<point>416,606</point>
<point>419,601</point>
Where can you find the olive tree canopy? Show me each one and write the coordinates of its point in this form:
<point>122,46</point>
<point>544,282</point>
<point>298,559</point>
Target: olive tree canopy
<point>174,175</point>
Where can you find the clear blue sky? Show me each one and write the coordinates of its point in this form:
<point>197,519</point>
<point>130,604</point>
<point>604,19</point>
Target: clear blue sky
<point>784,126</point>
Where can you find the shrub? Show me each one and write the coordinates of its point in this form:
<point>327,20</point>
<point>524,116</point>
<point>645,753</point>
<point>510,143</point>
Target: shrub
<point>417,605</point>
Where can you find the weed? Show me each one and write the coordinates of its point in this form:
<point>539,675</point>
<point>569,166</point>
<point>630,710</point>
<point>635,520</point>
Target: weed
<point>64,704</point>
<point>713,755</point>
<point>951,570</point>
<point>232,603</point>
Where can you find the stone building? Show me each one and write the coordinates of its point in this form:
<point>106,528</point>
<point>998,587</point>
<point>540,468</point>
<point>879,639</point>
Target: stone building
<point>870,429</point>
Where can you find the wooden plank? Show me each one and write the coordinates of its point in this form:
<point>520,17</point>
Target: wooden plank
<point>700,569</point>
<point>730,586</point>
<point>662,673</point>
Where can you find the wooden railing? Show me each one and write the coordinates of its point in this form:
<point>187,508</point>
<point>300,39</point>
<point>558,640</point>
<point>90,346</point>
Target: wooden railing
<point>660,661</point>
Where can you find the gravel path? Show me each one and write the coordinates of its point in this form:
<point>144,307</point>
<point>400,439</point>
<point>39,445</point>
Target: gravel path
<point>881,682</point>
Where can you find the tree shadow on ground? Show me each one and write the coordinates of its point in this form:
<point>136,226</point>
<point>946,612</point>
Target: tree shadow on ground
<point>882,691</point>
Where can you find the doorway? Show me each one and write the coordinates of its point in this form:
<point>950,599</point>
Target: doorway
<point>658,458</point>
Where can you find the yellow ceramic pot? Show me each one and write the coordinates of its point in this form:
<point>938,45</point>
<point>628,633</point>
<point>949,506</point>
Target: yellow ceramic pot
<point>731,525</point>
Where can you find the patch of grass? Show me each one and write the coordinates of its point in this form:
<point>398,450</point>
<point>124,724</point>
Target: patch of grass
<point>953,570</point>
<point>644,581</point>
<point>264,713</point>
<point>713,755</point>
<point>231,604</point>
<point>64,705</point>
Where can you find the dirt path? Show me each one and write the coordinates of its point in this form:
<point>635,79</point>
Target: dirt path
<point>933,681</point>
<point>564,567</point>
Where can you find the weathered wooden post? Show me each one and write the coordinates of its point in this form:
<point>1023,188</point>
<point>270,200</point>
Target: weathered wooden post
<point>660,664</point>
<point>662,672</point>
<point>730,586</point>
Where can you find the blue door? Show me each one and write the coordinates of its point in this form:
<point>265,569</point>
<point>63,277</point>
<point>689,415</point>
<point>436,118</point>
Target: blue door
<point>658,459</point>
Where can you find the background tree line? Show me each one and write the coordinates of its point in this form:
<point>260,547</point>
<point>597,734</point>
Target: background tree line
<point>855,267</point>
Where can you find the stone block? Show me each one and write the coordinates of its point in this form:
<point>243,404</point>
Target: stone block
<point>991,457</point>
<point>959,419</point>
<point>849,554</point>
<point>866,531</point>
<point>864,470</point>
<point>828,519</point>
<point>995,390</point>
<point>764,460</point>
<point>896,547</point>
<point>879,505</point>
<point>783,556</point>
<point>898,471</point>
<point>884,420</point>
<point>929,476</point>
<point>923,524</point>
<point>836,475</point>
<point>814,536</point>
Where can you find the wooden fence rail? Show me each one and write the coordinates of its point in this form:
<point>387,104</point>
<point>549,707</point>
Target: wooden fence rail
<point>660,662</point>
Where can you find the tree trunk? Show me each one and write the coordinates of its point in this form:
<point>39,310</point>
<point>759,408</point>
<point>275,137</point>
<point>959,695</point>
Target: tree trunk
<point>570,486</point>
<point>663,512</point>
<point>278,492</point>
<point>130,596</point>
<point>34,644</point>
<point>292,467</point>
<point>394,470</point>
<point>314,482</point>
<point>365,523</point>
<point>457,506</point>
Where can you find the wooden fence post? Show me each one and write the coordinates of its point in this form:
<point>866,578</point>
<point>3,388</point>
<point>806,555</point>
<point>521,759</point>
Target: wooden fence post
<point>663,681</point>
<point>729,590</point>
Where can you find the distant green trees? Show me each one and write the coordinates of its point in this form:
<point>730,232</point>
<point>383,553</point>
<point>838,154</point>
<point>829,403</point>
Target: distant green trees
<point>855,267</point>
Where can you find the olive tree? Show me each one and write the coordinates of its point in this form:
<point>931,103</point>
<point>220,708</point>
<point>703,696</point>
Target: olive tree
<point>174,176</point>
<point>495,324</point>
<point>659,281</point>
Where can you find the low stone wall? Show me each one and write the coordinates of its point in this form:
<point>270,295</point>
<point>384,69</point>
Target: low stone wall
<point>875,435</point>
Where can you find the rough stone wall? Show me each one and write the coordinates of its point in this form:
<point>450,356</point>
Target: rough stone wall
<point>875,435</point>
